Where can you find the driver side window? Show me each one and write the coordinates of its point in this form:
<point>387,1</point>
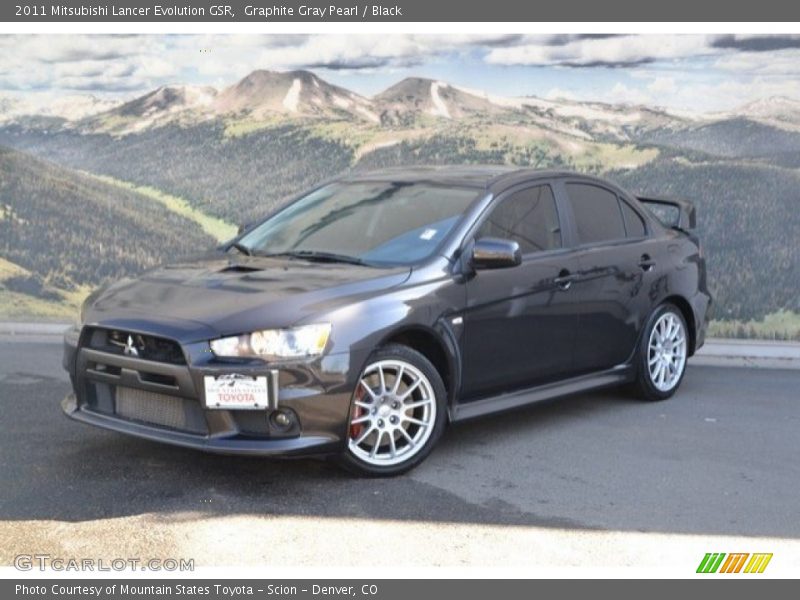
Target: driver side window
<point>529,217</point>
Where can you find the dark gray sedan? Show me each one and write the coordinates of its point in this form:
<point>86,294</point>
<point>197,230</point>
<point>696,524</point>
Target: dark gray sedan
<point>364,316</point>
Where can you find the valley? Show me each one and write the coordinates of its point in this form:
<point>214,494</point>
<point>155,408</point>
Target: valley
<point>204,160</point>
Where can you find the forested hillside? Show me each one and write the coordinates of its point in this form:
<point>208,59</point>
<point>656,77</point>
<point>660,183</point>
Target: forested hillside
<point>61,230</point>
<point>238,154</point>
<point>733,138</point>
<point>237,178</point>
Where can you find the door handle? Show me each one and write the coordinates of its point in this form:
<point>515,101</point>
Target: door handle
<point>564,279</point>
<point>646,263</point>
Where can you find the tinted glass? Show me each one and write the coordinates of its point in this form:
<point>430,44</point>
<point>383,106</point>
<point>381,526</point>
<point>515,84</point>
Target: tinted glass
<point>528,217</point>
<point>378,222</point>
<point>597,214</point>
<point>634,224</point>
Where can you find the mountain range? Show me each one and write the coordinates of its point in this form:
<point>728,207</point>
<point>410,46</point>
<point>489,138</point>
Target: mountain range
<point>263,94</point>
<point>229,155</point>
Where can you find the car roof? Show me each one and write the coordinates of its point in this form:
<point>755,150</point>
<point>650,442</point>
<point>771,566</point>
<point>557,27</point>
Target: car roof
<point>494,178</point>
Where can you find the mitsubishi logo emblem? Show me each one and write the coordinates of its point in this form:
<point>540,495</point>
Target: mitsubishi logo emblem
<point>130,349</point>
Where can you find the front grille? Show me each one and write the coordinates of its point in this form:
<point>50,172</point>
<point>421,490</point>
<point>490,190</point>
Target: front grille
<point>159,409</point>
<point>135,345</point>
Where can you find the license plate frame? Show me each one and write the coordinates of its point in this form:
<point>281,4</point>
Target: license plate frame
<point>234,391</point>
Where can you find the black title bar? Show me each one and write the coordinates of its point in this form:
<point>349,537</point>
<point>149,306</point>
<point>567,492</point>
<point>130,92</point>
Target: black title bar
<point>401,11</point>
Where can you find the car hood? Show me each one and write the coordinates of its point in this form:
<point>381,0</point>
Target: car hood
<point>216,296</point>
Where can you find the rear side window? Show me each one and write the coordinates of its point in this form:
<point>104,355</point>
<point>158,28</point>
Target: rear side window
<point>597,214</point>
<point>634,224</point>
<point>528,217</point>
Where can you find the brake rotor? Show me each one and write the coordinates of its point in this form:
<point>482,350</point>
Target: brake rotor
<point>357,428</point>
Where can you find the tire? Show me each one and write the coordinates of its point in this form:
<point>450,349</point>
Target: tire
<point>662,354</point>
<point>393,426</point>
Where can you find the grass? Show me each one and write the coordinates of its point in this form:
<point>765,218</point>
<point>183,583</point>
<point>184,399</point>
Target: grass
<point>9,269</point>
<point>19,306</point>
<point>620,156</point>
<point>16,305</point>
<point>781,325</point>
<point>217,228</point>
<point>240,127</point>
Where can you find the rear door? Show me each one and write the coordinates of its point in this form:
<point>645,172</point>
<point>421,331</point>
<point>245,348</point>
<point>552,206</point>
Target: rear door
<point>520,322</point>
<point>617,268</point>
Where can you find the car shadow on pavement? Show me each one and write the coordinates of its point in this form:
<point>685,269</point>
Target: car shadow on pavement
<point>591,461</point>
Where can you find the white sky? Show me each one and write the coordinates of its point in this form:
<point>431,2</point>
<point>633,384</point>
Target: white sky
<point>687,71</point>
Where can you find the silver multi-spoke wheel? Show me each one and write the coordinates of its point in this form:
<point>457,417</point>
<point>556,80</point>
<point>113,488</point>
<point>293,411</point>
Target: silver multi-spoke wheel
<point>666,352</point>
<point>394,413</point>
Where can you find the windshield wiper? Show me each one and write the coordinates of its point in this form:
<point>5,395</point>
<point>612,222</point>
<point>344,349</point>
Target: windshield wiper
<point>241,248</point>
<point>320,256</point>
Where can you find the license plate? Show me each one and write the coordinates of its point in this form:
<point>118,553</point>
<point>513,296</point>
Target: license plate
<point>236,391</point>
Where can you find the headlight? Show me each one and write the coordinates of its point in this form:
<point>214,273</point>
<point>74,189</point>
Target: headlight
<point>297,342</point>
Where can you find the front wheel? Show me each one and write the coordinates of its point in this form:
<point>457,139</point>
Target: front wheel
<point>662,353</point>
<point>397,413</point>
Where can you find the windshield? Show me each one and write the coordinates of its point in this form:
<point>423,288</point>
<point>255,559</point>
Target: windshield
<point>375,222</point>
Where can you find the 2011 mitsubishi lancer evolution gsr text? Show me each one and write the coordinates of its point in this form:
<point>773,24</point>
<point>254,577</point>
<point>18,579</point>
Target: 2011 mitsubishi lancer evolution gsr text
<point>361,318</point>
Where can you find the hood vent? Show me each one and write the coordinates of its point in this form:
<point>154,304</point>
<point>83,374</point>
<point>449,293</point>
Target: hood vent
<point>240,269</point>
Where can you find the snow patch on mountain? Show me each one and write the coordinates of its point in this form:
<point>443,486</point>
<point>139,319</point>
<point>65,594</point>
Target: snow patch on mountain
<point>439,107</point>
<point>292,99</point>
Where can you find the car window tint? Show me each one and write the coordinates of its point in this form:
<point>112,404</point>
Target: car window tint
<point>528,217</point>
<point>597,214</point>
<point>382,222</point>
<point>634,224</point>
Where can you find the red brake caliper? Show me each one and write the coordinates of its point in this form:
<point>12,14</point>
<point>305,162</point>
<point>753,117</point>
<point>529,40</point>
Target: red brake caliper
<point>357,428</point>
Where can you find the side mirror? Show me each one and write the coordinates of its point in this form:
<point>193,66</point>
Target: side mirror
<point>495,253</point>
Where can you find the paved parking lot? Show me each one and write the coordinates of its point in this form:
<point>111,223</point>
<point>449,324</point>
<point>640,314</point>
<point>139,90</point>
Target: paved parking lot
<point>594,479</point>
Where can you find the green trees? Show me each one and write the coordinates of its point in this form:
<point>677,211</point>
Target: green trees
<point>72,229</point>
<point>66,228</point>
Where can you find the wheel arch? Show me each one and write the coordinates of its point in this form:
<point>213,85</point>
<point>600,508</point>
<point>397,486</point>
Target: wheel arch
<point>682,304</point>
<point>434,345</point>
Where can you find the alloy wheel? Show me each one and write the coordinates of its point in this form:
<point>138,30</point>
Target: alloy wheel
<point>666,355</point>
<point>394,413</point>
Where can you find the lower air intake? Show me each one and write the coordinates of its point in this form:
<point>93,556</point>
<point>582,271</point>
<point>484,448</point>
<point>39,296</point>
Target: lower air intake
<point>159,409</point>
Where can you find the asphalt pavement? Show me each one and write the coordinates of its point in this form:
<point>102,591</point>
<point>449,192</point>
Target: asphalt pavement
<point>596,478</point>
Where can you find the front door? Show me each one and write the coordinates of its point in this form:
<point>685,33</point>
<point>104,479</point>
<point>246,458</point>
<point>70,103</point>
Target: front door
<point>520,322</point>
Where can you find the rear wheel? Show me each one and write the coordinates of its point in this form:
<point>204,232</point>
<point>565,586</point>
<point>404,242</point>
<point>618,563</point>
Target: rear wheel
<point>397,413</point>
<point>662,354</point>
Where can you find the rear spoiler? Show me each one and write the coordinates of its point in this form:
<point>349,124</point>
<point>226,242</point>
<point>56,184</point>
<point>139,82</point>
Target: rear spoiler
<point>679,214</point>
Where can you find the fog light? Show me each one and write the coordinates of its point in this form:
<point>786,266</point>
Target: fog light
<point>284,419</point>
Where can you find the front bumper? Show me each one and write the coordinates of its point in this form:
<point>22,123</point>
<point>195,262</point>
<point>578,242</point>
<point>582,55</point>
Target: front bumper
<point>165,402</point>
<point>232,443</point>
